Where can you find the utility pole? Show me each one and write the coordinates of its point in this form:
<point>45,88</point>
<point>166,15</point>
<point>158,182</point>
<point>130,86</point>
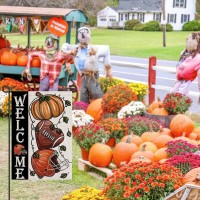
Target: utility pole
<point>164,23</point>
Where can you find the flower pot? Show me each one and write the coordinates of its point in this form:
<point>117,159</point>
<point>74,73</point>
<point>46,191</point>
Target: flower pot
<point>166,120</point>
<point>84,154</point>
<point>111,142</point>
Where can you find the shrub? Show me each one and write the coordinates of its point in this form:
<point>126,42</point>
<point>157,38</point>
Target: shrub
<point>131,23</point>
<point>140,124</point>
<point>169,28</point>
<point>193,25</point>
<point>117,97</point>
<point>138,27</point>
<point>152,26</point>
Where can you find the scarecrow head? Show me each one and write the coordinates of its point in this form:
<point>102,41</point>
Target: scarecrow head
<point>84,35</point>
<point>51,42</point>
<point>193,43</point>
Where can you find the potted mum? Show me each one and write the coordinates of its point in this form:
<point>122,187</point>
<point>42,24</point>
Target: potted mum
<point>86,136</point>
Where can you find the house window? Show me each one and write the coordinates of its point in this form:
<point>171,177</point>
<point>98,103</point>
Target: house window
<point>112,20</point>
<point>180,3</point>
<point>126,17</point>
<point>171,18</point>
<point>103,19</point>
<point>141,17</point>
<point>157,17</point>
<point>185,18</point>
<point>122,17</point>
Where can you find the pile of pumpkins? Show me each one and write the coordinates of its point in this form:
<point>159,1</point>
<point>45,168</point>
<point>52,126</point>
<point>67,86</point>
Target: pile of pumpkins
<point>149,147</point>
<point>17,56</point>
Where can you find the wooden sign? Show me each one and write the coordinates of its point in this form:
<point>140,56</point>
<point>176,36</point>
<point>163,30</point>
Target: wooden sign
<point>42,135</point>
<point>57,26</point>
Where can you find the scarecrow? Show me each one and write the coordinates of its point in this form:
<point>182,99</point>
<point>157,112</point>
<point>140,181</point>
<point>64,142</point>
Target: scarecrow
<point>87,64</point>
<point>51,64</point>
<point>188,67</point>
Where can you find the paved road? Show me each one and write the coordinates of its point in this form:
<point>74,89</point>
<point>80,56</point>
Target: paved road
<point>141,74</point>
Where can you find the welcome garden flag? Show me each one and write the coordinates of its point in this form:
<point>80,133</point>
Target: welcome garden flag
<point>41,135</point>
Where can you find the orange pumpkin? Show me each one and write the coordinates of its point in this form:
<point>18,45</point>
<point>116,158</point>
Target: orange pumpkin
<point>36,62</point>
<point>162,141</point>
<point>160,111</point>
<point>146,154</point>
<point>183,137</point>
<point>133,139</point>
<point>123,151</point>
<point>140,159</point>
<point>193,176</point>
<point>4,43</point>
<point>100,155</point>
<point>149,136</point>
<point>165,131</point>
<point>181,123</point>
<point>155,104</point>
<point>162,161</point>
<point>22,60</point>
<point>95,109</point>
<point>46,106</point>
<point>8,58</point>
<point>149,146</point>
<point>161,154</point>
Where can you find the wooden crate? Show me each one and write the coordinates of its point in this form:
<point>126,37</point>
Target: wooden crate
<point>186,192</point>
<point>84,165</point>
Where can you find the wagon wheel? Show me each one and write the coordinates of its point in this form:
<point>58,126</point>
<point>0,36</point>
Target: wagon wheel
<point>32,85</point>
<point>71,87</point>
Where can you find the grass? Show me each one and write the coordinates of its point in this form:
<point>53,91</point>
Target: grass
<point>39,190</point>
<point>123,43</point>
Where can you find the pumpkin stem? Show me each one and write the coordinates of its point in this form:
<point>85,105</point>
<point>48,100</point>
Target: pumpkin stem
<point>103,141</point>
<point>38,94</point>
<point>161,129</point>
<point>184,134</point>
<point>143,147</point>
<point>128,140</point>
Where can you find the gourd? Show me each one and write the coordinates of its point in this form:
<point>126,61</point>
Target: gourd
<point>46,106</point>
<point>149,146</point>
<point>162,140</point>
<point>149,136</point>
<point>160,111</point>
<point>22,60</point>
<point>161,154</point>
<point>133,139</point>
<point>155,104</point>
<point>35,62</point>
<point>8,58</point>
<point>140,159</point>
<point>193,176</point>
<point>95,109</point>
<point>100,155</point>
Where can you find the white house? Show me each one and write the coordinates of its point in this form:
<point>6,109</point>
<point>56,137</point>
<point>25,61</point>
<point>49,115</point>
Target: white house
<point>177,12</point>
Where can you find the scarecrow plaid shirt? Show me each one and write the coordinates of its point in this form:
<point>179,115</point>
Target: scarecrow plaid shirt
<point>50,67</point>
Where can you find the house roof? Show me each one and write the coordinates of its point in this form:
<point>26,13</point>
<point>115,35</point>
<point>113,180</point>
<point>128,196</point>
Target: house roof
<point>140,5</point>
<point>77,15</point>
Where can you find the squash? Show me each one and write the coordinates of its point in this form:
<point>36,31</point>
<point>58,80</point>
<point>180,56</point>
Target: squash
<point>165,131</point>
<point>8,58</point>
<point>160,111</point>
<point>22,60</point>
<point>181,123</point>
<point>145,153</point>
<point>100,155</point>
<point>192,177</point>
<point>4,43</point>
<point>149,146</point>
<point>155,104</point>
<point>123,151</point>
<point>95,109</point>
<point>35,62</point>
<point>133,139</point>
<point>149,136</point>
<point>161,154</point>
<point>47,106</point>
<point>162,140</point>
<point>140,159</point>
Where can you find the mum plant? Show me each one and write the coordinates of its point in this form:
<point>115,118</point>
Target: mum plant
<point>185,162</point>
<point>176,103</point>
<point>117,97</point>
<point>140,89</point>
<point>85,193</point>
<point>142,181</point>
<point>117,128</point>
<point>80,105</point>
<point>180,147</point>
<point>106,83</point>
<point>5,106</point>
<point>140,124</point>
<point>133,108</point>
<point>86,136</point>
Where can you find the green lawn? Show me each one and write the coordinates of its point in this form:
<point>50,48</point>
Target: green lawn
<point>122,42</point>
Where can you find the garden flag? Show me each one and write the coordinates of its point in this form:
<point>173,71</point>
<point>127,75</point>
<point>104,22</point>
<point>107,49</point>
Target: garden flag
<point>36,23</point>
<point>42,135</point>
<point>21,21</point>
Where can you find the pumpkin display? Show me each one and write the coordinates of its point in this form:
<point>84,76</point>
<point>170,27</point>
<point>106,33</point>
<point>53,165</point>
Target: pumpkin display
<point>149,146</point>
<point>149,136</point>
<point>161,154</point>
<point>155,104</point>
<point>145,153</point>
<point>8,58</point>
<point>46,106</point>
<point>160,111</point>
<point>95,109</point>
<point>140,159</point>
<point>133,139</point>
<point>123,151</point>
<point>100,155</point>
<point>162,140</point>
<point>181,123</point>
<point>22,60</point>
<point>192,177</point>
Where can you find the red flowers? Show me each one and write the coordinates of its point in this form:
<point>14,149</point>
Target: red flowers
<point>142,181</point>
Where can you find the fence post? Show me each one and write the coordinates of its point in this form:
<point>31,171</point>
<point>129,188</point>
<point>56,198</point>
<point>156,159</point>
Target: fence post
<point>151,78</point>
